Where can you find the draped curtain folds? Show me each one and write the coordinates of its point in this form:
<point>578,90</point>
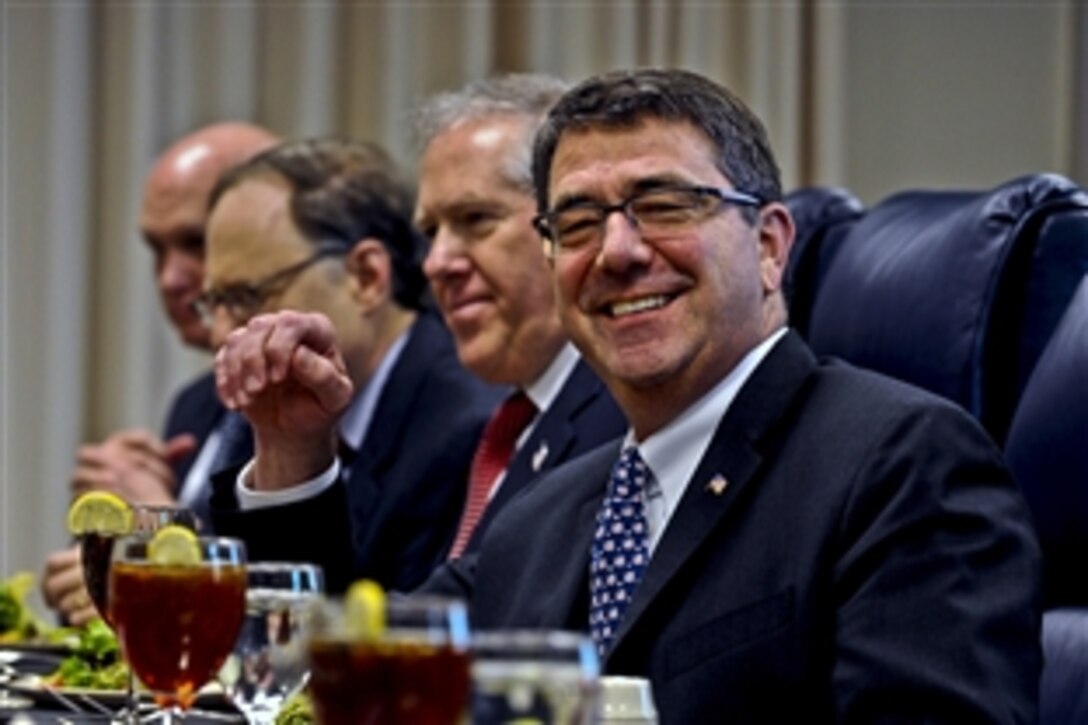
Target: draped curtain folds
<point>92,91</point>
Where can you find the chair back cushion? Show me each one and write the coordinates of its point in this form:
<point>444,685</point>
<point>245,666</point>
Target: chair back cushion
<point>956,291</point>
<point>821,215</point>
<point>1047,450</point>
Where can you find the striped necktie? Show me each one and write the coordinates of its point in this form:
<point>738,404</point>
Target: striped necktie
<point>492,456</point>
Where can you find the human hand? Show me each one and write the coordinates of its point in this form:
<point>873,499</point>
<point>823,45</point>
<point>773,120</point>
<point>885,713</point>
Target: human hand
<point>63,589</point>
<point>134,464</point>
<point>282,371</point>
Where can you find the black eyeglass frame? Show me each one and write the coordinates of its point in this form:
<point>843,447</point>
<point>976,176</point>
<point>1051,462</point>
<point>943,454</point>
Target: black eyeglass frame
<point>545,223</point>
<point>255,294</point>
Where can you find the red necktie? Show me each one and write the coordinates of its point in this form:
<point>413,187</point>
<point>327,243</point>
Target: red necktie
<point>494,452</point>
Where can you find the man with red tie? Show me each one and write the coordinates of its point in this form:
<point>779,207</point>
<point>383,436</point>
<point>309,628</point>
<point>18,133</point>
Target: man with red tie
<point>491,280</point>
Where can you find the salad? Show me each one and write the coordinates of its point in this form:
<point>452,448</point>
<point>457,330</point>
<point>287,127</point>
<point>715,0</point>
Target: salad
<point>95,662</point>
<point>94,659</point>
<point>17,622</point>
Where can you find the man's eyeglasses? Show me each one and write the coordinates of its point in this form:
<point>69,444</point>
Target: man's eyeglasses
<point>244,300</point>
<point>657,213</point>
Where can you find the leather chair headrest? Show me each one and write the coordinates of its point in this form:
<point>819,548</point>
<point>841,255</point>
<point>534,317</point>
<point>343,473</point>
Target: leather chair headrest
<point>956,291</point>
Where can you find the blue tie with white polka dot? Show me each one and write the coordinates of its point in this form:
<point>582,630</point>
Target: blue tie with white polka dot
<point>620,551</point>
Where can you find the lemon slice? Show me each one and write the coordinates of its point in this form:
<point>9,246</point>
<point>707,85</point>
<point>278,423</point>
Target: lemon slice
<point>364,610</point>
<point>100,512</point>
<point>174,545</point>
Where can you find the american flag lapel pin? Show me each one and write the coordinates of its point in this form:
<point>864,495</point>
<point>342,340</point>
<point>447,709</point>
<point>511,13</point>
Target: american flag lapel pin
<point>540,456</point>
<point>717,485</point>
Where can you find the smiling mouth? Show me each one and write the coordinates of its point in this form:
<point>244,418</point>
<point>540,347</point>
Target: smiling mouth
<point>464,306</point>
<point>642,304</point>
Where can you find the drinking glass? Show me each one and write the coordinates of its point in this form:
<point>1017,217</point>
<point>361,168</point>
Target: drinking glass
<point>627,700</point>
<point>545,677</point>
<point>96,550</point>
<point>96,553</point>
<point>177,622</point>
<point>269,664</point>
<point>415,671</point>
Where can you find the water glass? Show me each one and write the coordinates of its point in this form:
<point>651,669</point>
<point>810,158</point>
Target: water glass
<point>545,677</point>
<point>269,663</point>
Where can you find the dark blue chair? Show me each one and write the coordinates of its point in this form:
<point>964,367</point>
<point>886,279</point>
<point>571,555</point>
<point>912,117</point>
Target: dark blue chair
<point>956,291</point>
<point>1063,694</point>
<point>822,215</point>
<point>1047,450</point>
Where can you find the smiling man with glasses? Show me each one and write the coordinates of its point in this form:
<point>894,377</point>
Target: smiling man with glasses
<point>317,235</point>
<point>777,539</point>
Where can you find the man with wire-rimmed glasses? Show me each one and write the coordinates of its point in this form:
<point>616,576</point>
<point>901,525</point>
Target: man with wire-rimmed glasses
<point>317,236</point>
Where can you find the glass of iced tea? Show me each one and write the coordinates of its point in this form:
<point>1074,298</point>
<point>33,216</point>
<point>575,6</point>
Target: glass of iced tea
<point>96,548</point>
<point>177,601</point>
<point>414,670</point>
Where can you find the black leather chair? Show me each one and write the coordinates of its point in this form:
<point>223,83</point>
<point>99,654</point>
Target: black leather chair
<point>1047,450</point>
<point>956,291</point>
<point>822,216</point>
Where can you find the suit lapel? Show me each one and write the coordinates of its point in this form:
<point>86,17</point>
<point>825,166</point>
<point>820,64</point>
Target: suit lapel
<point>566,596</point>
<point>727,469</point>
<point>398,398</point>
<point>550,440</point>
<point>568,591</point>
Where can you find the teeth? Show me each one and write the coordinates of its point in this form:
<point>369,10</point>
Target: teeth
<point>639,305</point>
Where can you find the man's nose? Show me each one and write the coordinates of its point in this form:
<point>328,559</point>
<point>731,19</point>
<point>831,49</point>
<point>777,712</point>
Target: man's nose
<point>622,244</point>
<point>180,271</point>
<point>445,255</point>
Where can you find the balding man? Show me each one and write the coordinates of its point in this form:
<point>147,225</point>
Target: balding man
<point>137,464</point>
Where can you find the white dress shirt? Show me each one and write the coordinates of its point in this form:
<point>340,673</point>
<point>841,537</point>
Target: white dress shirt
<point>673,453</point>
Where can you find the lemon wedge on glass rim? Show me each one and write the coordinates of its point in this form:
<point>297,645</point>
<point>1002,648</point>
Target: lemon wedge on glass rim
<point>100,512</point>
<point>364,611</point>
<point>174,545</point>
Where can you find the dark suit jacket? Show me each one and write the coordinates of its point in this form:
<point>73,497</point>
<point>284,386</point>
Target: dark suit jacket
<point>869,561</point>
<point>393,519</point>
<point>196,409</point>
<point>582,417</point>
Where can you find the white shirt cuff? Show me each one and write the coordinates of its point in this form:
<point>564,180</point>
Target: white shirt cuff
<point>249,499</point>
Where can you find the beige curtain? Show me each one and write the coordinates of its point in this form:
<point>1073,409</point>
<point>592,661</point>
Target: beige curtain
<point>92,90</point>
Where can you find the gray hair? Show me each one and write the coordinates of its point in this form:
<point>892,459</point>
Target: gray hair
<point>529,95</point>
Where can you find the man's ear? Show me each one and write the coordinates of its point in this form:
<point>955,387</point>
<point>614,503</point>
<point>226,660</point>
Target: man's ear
<point>776,233</point>
<point>371,271</point>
